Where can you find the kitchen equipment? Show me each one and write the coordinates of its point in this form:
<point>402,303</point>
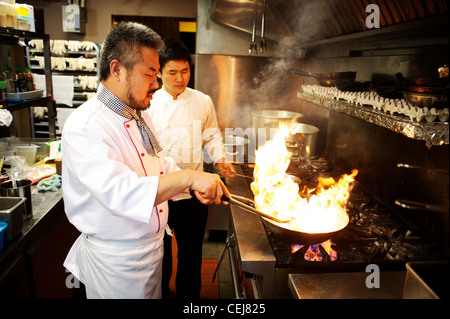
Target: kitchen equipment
<point>236,148</point>
<point>285,234</point>
<point>22,189</point>
<point>292,237</point>
<point>438,101</point>
<point>11,212</point>
<point>330,79</point>
<point>27,151</point>
<point>376,234</point>
<point>264,119</point>
<point>357,86</point>
<point>409,204</point>
<point>431,92</point>
<point>302,140</point>
<point>240,175</point>
<point>426,280</point>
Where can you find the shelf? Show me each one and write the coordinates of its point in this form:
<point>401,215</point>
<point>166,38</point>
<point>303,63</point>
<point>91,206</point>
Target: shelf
<point>11,106</point>
<point>435,133</point>
<point>9,36</point>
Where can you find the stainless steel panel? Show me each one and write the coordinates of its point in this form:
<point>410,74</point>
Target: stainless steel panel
<point>239,85</point>
<point>253,249</point>
<point>240,15</point>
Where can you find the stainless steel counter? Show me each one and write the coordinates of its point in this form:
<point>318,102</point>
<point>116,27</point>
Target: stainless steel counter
<point>253,249</point>
<point>351,285</point>
<point>48,208</point>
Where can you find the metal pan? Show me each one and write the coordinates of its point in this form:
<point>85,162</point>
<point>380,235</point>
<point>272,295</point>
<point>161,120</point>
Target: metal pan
<point>330,79</point>
<point>284,234</point>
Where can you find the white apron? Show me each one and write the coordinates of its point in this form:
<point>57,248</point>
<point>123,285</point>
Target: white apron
<point>114,269</point>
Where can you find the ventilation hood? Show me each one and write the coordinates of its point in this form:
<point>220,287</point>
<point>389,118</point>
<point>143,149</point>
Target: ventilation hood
<point>312,21</point>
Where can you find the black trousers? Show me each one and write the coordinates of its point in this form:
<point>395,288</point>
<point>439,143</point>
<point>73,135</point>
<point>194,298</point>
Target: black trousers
<point>187,219</point>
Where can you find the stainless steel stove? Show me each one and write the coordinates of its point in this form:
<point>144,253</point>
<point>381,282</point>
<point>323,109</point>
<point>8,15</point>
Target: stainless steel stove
<point>262,264</point>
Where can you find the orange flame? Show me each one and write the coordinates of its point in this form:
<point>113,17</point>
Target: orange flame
<point>325,208</point>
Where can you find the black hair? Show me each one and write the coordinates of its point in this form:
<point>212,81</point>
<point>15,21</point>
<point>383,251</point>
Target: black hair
<point>123,43</point>
<point>174,50</point>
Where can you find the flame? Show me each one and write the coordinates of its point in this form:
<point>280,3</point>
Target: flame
<point>314,254</point>
<point>323,210</point>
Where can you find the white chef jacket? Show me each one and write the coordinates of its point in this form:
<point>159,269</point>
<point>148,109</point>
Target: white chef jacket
<point>109,182</point>
<point>187,125</point>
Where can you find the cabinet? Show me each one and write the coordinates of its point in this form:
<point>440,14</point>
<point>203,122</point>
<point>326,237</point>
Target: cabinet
<point>10,36</point>
<point>74,66</point>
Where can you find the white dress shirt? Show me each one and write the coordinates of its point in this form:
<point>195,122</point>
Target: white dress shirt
<point>187,125</point>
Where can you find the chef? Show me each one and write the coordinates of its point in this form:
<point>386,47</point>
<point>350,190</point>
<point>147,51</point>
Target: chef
<point>116,179</point>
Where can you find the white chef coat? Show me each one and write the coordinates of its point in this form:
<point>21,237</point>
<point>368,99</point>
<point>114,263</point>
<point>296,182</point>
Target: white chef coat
<point>109,182</point>
<point>187,125</point>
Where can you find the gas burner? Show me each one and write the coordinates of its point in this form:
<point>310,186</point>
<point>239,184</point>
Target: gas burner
<point>320,252</point>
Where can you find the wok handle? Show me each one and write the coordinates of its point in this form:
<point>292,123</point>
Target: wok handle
<point>246,204</point>
<point>304,73</point>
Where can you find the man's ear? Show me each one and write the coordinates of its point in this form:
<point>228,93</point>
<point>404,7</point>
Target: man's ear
<point>115,68</point>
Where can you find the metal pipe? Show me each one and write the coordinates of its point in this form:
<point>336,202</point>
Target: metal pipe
<point>253,44</point>
<point>234,270</point>
<point>263,46</point>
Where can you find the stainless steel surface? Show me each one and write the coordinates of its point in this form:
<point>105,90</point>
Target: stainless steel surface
<point>21,188</point>
<point>239,85</point>
<point>236,148</point>
<point>11,212</point>
<point>319,20</point>
<point>253,251</point>
<point>349,285</point>
<point>302,141</point>
<point>426,280</point>
<point>243,16</point>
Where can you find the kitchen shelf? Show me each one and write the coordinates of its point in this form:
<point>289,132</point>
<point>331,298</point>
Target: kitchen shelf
<point>15,106</point>
<point>435,133</point>
<point>83,87</point>
<point>9,36</point>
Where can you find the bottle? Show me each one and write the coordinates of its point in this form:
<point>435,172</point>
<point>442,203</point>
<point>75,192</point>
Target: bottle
<point>29,80</point>
<point>20,83</point>
<point>2,87</point>
<point>10,87</point>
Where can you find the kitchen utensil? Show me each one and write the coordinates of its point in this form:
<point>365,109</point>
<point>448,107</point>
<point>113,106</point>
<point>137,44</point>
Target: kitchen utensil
<point>357,86</point>
<point>22,189</point>
<point>264,119</point>
<point>241,175</point>
<point>330,79</point>
<point>409,204</point>
<point>302,140</point>
<point>439,170</point>
<point>283,233</point>
<point>437,101</point>
<point>11,212</point>
<point>236,148</point>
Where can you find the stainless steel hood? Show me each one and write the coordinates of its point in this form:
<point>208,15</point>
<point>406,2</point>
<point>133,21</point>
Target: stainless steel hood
<point>320,19</point>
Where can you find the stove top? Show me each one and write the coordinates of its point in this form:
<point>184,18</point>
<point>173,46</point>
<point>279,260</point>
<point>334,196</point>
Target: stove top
<point>375,233</point>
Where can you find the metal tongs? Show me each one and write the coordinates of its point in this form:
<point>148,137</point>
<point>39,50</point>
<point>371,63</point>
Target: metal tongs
<point>249,205</point>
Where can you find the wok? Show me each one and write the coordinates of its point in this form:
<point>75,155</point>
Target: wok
<point>330,79</point>
<point>431,92</point>
<point>284,234</point>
